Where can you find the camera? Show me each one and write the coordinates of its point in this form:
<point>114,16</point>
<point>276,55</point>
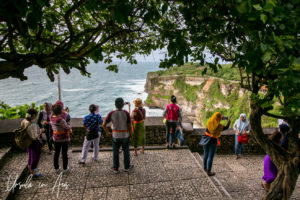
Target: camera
<point>225,118</point>
<point>126,103</point>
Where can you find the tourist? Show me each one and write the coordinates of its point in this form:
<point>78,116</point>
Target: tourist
<point>241,127</point>
<point>34,149</point>
<point>61,136</point>
<point>91,123</point>
<point>173,115</point>
<point>178,135</point>
<point>284,128</point>
<point>213,131</point>
<point>270,170</point>
<point>65,113</point>
<point>138,116</point>
<point>44,123</point>
<point>121,134</point>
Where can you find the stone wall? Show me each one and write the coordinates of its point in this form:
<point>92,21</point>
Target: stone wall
<point>155,135</point>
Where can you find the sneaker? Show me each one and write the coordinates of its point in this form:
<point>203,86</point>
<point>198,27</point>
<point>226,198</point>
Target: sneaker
<point>57,171</point>
<point>115,170</point>
<point>237,157</point>
<point>81,162</point>
<point>37,175</point>
<point>95,160</point>
<point>66,170</point>
<point>129,169</point>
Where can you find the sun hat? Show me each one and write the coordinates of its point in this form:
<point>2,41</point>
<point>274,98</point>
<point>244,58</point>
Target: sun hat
<point>138,102</point>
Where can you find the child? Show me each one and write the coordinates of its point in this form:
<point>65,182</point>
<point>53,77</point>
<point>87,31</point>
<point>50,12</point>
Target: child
<point>178,135</point>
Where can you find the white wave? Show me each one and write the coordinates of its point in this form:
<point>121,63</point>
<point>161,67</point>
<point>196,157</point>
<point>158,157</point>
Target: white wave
<point>76,90</point>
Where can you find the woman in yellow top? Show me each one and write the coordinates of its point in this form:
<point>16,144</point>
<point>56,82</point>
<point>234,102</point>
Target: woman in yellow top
<point>213,131</point>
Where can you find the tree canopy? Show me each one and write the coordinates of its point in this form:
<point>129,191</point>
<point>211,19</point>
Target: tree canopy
<point>69,33</point>
<point>261,39</point>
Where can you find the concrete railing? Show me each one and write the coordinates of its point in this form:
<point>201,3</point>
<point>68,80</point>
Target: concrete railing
<point>155,135</point>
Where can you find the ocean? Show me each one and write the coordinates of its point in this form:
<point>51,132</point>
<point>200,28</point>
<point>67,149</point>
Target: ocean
<point>78,91</point>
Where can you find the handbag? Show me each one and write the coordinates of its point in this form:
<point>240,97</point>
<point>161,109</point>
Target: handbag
<point>243,139</point>
<point>204,140</point>
<point>93,134</point>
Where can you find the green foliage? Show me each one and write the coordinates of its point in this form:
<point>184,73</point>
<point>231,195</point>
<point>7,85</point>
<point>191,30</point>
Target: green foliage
<point>189,92</point>
<point>69,34</point>
<point>7,112</point>
<point>225,72</point>
<point>149,100</point>
<point>260,38</point>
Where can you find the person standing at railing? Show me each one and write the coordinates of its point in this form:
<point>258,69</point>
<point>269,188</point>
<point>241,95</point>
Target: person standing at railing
<point>44,123</point>
<point>34,149</point>
<point>138,117</point>
<point>93,132</point>
<point>241,127</point>
<point>61,136</point>
<point>172,113</point>
<point>121,134</point>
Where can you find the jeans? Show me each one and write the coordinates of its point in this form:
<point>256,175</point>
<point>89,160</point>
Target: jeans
<point>177,135</point>
<point>34,152</point>
<point>64,147</point>
<point>117,143</point>
<point>86,146</point>
<point>48,132</point>
<point>209,153</point>
<point>238,147</point>
<point>169,126</point>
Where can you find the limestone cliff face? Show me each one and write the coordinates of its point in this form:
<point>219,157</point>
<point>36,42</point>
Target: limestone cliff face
<point>198,97</point>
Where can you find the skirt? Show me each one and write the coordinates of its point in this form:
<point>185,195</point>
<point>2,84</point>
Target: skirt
<point>138,138</point>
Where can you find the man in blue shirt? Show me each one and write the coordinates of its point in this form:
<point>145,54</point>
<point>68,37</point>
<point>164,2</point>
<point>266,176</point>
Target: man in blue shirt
<point>93,133</point>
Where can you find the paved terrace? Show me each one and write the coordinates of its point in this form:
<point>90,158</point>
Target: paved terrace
<point>158,174</point>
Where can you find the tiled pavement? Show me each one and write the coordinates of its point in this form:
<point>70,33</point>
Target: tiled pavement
<point>242,178</point>
<point>158,174</point>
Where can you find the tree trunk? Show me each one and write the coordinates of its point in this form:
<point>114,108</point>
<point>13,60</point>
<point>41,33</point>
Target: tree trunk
<point>284,184</point>
<point>287,163</point>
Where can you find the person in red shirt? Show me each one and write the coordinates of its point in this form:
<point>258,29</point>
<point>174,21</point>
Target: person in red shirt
<point>173,115</point>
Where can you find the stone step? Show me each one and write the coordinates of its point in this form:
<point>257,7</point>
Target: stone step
<point>13,169</point>
<point>4,151</point>
<point>214,179</point>
<point>109,148</point>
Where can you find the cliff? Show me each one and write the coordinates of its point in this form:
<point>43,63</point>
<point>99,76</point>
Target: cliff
<point>198,96</point>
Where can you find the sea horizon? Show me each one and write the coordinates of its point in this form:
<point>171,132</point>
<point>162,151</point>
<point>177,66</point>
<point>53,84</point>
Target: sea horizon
<point>78,91</point>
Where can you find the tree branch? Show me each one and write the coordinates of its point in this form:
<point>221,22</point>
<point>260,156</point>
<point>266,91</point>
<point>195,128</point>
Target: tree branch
<point>68,21</point>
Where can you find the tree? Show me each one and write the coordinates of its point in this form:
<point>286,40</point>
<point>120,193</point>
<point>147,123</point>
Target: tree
<point>261,38</point>
<point>69,33</point>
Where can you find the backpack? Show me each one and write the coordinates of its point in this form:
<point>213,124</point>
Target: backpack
<point>22,139</point>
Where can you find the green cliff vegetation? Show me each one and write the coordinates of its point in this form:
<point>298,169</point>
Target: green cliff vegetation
<point>188,69</point>
<point>8,112</point>
<point>214,100</point>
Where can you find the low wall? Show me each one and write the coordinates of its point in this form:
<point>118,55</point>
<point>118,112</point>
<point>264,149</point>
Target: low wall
<point>155,135</point>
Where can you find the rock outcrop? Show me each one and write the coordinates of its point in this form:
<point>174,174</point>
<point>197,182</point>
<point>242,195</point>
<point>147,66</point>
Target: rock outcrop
<point>198,97</point>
